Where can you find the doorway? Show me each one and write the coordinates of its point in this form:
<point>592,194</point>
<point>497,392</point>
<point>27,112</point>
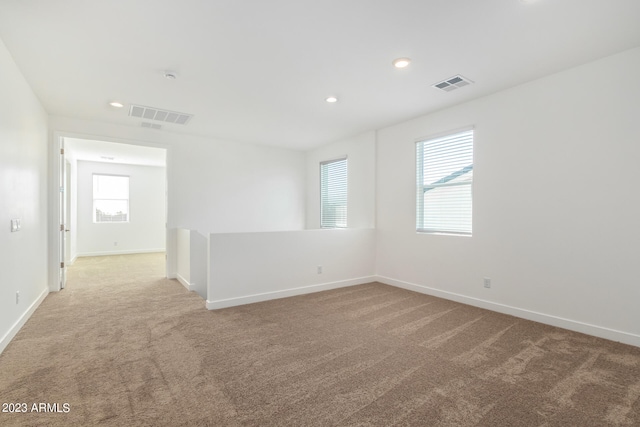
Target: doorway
<point>90,164</point>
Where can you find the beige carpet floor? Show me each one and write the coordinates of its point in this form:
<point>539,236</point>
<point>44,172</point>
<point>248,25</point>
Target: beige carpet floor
<point>123,346</point>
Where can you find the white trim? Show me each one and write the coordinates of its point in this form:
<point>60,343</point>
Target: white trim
<point>561,322</point>
<point>445,133</point>
<point>184,282</point>
<point>250,299</point>
<point>4,342</point>
<point>53,205</point>
<point>106,138</point>
<point>337,159</point>
<point>126,252</point>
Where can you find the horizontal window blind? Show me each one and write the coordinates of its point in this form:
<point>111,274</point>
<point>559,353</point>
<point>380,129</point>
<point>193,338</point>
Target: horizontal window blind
<point>444,184</point>
<point>333,194</point>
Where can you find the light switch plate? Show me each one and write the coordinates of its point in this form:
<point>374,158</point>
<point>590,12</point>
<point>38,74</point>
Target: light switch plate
<point>15,225</point>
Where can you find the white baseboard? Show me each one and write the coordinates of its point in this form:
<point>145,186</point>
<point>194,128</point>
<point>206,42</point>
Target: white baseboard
<point>6,339</point>
<point>124,252</point>
<point>572,325</point>
<point>184,282</point>
<point>250,299</point>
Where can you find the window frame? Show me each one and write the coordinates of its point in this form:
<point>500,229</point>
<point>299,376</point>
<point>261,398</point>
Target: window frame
<point>421,188</point>
<point>96,199</point>
<point>329,226</point>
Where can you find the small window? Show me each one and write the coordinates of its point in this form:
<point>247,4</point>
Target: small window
<point>333,194</point>
<point>444,184</point>
<point>110,198</point>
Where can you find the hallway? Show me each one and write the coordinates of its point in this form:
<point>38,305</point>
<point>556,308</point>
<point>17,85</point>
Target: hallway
<point>90,272</point>
<point>99,344</point>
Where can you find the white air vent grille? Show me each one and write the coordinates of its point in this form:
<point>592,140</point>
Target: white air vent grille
<point>452,83</point>
<point>150,113</point>
<point>151,125</point>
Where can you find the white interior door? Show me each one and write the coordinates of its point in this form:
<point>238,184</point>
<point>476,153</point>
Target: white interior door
<point>62,217</point>
<point>67,214</point>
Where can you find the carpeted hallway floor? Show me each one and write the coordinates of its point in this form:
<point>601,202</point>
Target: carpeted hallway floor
<point>123,346</point>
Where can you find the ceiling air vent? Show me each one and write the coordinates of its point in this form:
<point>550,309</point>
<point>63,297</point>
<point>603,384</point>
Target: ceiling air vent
<point>151,125</point>
<point>150,113</point>
<point>452,83</point>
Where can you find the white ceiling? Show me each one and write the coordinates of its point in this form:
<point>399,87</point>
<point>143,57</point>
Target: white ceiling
<point>259,71</point>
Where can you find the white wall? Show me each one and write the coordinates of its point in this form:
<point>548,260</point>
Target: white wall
<point>183,256</point>
<point>214,185</point>
<point>145,231</point>
<point>220,187</point>
<point>23,195</point>
<point>556,203</point>
<point>192,262</point>
<point>250,267</point>
<point>361,185</point>
<point>198,263</point>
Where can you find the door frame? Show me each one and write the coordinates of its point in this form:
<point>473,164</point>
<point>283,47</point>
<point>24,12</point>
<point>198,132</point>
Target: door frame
<point>63,195</point>
<point>56,249</point>
<point>67,214</point>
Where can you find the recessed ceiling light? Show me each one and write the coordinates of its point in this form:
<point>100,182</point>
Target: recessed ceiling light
<point>332,99</point>
<point>116,104</point>
<point>401,62</point>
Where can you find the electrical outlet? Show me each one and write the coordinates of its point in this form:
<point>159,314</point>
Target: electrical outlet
<point>319,269</point>
<point>17,297</point>
<point>487,282</point>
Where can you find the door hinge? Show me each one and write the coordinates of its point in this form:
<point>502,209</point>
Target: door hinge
<point>62,265</point>
<point>61,227</point>
<point>62,151</point>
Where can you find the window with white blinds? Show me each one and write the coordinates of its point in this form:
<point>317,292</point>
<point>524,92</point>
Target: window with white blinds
<point>444,184</point>
<point>333,194</point>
